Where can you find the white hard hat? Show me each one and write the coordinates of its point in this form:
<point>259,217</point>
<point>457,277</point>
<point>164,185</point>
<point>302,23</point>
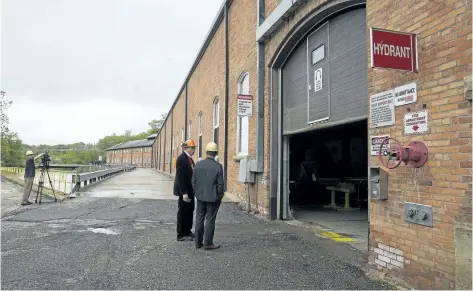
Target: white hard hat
<point>29,153</point>
<point>212,147</point>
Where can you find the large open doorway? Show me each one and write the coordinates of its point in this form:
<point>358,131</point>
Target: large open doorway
<point>328,185</point>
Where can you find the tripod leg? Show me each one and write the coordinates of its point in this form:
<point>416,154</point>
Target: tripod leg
<point>37,192</point>
<point>41,183</point>
<point>51,183</point>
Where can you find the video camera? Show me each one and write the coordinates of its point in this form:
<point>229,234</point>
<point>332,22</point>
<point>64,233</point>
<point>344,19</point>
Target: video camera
<point>45,159</point>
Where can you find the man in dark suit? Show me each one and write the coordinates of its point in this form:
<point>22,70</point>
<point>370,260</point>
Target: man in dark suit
<point>207,182</point>
<point>183,189</point>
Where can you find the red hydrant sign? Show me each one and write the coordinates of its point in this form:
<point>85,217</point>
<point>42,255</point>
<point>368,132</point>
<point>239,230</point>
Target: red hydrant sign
<point>393,50</point>
<point>245,105</point>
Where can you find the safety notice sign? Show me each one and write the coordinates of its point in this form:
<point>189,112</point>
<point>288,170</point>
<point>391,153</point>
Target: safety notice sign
<point>405,94</point>
<point>416,122</point>
<point>382,109</point>
<point>376,142</point>
<point>318,79</point>
<point>245,105</point>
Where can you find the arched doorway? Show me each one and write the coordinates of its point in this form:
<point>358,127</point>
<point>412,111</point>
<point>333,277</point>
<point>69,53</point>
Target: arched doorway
<point>319,78</point>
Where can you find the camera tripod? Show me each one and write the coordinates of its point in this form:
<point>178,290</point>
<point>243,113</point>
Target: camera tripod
<point>44,170</point>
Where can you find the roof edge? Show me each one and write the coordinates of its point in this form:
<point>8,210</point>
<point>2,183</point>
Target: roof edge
<point>213,29</point>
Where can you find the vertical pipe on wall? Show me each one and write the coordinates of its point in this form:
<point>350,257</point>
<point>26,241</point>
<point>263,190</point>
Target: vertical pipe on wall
<point>225,158</point>
<point>260,52</point>
<point>172,145</point>
<point>164,150</point>
<point>186,127</point>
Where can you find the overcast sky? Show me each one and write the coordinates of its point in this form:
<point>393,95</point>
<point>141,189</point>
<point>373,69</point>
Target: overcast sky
<point>66,64</point>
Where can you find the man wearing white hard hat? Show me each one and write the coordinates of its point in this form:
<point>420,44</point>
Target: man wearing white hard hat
<point>30,173</point>
<point>208,185</point>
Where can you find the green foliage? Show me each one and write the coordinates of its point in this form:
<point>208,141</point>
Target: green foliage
<point>156,124</point>
<point>13,149</point>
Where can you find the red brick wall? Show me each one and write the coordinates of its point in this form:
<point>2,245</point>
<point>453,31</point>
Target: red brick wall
<point>205,85</point>
<point>242,58</point>
<point>270,5</point>
<point>444,29</point>
<point>139,156</point>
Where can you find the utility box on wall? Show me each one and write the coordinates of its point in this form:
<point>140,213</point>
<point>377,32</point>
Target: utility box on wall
<point>378,183</point>
<point>246,176</point>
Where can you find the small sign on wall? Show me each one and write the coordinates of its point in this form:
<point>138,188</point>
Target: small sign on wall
<point>245,105</point>
<point>405,94</point>
<point>416,122</point>
<point>382,109</point>
<point>318,79</point>
<point>376,142</point>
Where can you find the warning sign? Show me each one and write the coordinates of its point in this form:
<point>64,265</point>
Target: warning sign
<point>405,94</point>
<point>376,142</point>
<point>245,105</point>
<point>416,122</point>
<point>382,109</point>
<point>318,79</point>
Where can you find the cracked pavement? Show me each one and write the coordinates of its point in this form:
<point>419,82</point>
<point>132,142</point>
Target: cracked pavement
<point>129,243</point>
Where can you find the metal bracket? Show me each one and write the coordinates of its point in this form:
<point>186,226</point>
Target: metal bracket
<point>418,214</point>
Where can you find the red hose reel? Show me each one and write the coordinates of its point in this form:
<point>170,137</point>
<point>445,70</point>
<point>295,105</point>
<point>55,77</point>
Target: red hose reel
<point>415,154</point>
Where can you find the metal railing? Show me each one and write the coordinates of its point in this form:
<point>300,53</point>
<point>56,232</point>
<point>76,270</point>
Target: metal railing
<point>62,179</point>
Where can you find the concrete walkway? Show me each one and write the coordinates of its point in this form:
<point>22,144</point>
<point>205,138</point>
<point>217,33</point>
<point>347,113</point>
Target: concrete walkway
<point>139,183</point>
<point>114,243</point>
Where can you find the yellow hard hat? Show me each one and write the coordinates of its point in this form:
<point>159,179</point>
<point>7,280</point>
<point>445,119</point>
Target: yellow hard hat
<point>29,153</point>
<point>212,147</point>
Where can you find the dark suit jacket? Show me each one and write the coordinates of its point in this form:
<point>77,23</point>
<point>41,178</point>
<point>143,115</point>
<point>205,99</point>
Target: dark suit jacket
<point>182,181</point>
<point>208,181</point>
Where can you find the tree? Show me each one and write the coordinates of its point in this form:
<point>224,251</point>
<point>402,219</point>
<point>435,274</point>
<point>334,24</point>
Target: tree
<point>11,144</point>
<point>156,124</point>
<point>4,105</point>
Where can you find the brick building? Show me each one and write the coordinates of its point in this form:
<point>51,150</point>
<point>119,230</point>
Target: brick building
<point>136,152</point>
<point>315,86</point>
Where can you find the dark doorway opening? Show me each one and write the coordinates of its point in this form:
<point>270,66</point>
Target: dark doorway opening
<point>328,183</point>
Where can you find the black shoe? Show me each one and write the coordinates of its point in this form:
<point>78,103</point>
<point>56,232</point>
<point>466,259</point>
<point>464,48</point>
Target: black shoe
<point>198,246</point>
<point>26,203</point>
<point>211,247</point>
<point>191,235</point>
<point>184,238</point>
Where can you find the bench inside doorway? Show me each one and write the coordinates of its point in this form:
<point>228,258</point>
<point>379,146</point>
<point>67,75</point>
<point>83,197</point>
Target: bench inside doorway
<point>345,188</point>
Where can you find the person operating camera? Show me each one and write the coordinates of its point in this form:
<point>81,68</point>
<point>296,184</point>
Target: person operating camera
<point>30,172</point>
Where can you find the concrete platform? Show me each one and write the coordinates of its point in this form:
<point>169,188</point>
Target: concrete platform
<point>139,183</point>
<point>343,226</point>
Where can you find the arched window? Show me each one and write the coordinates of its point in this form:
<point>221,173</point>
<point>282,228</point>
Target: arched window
<point>243,121</point>
<point>199,132</point>
<point>216,116</point>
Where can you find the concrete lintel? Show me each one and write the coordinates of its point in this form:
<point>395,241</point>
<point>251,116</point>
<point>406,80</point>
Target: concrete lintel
<point>274,20</point>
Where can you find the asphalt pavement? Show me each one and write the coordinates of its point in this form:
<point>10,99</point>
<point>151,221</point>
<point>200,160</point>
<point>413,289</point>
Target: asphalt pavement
<point>130,243</point>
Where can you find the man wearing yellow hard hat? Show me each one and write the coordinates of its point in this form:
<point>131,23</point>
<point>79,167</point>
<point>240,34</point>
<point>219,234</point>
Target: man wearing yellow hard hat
<point>30,173</point>
<point>208,185</point>
<point>183,188</point>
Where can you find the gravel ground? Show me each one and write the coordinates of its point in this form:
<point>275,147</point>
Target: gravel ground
<point>117,243</point>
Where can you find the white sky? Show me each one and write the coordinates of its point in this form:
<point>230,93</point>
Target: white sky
<point>77,70</point>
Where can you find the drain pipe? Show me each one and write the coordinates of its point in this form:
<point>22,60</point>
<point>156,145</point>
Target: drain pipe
<point>172,145</point>
<point>186,127</point>
<point>225,157</point>
<point>258,165</point>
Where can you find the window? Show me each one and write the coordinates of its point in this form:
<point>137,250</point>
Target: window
<point>199,140</point>
<point>243,121</point>
<point>215,120</point>
<point>318,54</point>
<point>183,137</point>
